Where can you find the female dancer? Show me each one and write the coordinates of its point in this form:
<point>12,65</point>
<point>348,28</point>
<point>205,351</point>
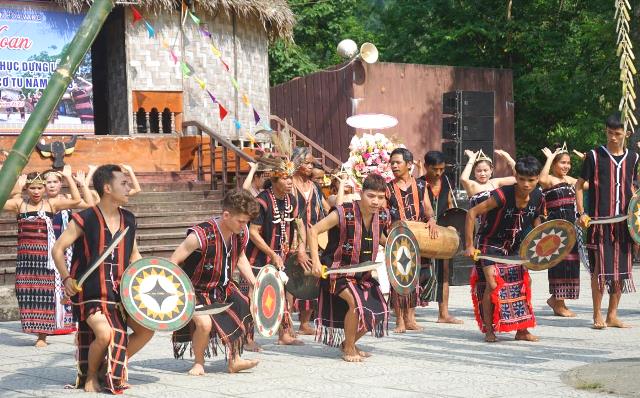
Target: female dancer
<point>560,197</point>
<point>482,168</point>
<point>38,285</point>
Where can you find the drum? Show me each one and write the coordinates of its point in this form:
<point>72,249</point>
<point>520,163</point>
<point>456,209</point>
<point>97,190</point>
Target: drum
<point>445,246</point>
<point>157,294</point>
<point>456,218</point>
<point>301,286</point>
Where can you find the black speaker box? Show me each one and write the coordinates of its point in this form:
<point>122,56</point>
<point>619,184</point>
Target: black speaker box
<point>449,149</point>
<point>474,128</point>
<point>471,103</point>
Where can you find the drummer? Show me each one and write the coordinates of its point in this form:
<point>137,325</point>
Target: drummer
<point>209,255</point>
<point>102,326</point>
<point>501,293</point>
<point>407,199</point>
<point>350,305</point>
<point>441,197</point>
<point>312,208</point>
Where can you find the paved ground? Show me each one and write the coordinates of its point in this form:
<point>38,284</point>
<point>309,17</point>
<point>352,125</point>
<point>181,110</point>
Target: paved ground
<point>442,361</point>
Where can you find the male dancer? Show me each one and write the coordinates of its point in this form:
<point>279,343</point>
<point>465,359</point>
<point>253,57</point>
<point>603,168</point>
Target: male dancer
<point>610,170</point>
<point>102,325</point>
<point>218,245</point>
<point>312,208</point>
<point>407,199</point>
<point>501,293</point>
<point>441,197</point>
<point>271,234</point>
<point>351,305</point>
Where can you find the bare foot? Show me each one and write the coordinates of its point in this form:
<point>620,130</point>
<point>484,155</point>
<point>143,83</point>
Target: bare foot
<point>525,335</point>
<point>413,326</point>
<point>559,308</point>
<point>197,370</point>
<point>490,337</point>
<point>598,322</point>
<point>239,365</point>
<point>286,339</point>
<point>351,355</point>
<point>40,343</point>
<point>399,326</point>
<point>252,346</point>
<point>306,329</point>
<point>363,354</point>
<point>92,384</point>
<point>450,319</point>
<point>616,323</point>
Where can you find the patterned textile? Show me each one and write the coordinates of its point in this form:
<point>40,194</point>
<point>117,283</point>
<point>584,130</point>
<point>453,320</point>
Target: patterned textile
<point>116,356</point>
<point>64,312</point>
<point>229,328</point>
<point>610,190</point>
<point>564,278</point>
<point>35,279</point>
<point>511,299</point>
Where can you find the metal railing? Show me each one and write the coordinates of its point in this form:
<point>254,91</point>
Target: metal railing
<point>324,155</point>
<point>215,141</point>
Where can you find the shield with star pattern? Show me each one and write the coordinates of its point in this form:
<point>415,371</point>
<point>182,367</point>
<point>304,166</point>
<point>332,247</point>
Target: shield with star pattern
<point>268,301</point>
<point>157,294</point>
<point>402,259</point>
<point>633,222</point>
<point>548,244</point>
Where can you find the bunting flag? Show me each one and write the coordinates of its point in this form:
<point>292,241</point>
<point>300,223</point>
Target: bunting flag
<point>256,116</point>
<point>152,32</point>
<point>236,122</point>
<point>212,97</point>
<point>223,111</point>
<point>245,99</point>
<point>174,57</point>
<point>225,65</point>
<point>187,70</point>
<point>136,15</point>
<point>195,19</point>
<point>215,51</point>
<point>200,82</point>
<point>205,32</point>
<point>234,82</point>
<point>165,44</point>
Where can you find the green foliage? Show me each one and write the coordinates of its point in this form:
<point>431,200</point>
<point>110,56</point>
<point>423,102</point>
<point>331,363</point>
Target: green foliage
<point>562,53</point>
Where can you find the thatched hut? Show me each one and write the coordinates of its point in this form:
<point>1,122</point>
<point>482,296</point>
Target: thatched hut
<point>140,87</point>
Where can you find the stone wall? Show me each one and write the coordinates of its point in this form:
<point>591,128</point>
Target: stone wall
<point>150,67</point>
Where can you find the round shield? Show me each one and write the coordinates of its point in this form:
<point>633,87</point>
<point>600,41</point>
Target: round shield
<point>268,302</point>
<point>301,286</point>
<point>157,294</point>
<point>456,218</point>
<point>402,259</point>
<point>633,222</point>
<point>548,244</point>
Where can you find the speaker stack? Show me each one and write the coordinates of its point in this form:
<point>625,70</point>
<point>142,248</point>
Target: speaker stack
<point>467,123</point>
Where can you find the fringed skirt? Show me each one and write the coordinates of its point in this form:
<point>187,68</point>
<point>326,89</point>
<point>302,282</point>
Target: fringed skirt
<point>511,298</point>
<point>564,278</point>
<point>229,328</point>
<point>371,309</point>
<point>610,246</point>
<point>116,357</point>
<point>305,305</point>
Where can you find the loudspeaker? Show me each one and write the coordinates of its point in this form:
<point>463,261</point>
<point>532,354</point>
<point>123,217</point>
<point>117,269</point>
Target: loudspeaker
<point>468,103</point>
<point>474,128</point>
<point>450,150</point>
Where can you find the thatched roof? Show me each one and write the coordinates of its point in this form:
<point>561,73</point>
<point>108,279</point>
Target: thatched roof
<point>275,15</point>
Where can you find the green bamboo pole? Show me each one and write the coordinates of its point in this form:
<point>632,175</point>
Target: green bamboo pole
<point>58,83</point>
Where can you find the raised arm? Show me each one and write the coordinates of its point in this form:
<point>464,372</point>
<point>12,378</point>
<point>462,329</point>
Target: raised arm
<point>87,196</point>
<point>17,189</point>
<point>545,178</point>
<point>505,155</point>
<point>465,176</point>
<point>134,180</point>
<point>252,171</point>
<point>58,204</point>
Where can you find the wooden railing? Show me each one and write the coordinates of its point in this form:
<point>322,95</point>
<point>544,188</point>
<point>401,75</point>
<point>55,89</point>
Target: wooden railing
<point>323,154</point>
<point>215,141</point>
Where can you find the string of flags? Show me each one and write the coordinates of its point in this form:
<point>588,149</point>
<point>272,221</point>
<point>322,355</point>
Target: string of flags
<point>189,72</point>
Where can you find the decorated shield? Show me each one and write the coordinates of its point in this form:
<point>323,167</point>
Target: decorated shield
<point>268,302</point>
<point>157,294</point>
<point>548,244</point>
<point>301,286</point>
<point>402,259</point>
<point>633,222</point>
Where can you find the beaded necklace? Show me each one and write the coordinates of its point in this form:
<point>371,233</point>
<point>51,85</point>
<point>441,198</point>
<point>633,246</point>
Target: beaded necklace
<point>283,220</point>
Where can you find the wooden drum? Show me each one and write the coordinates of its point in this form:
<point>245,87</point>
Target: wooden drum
<point>444,247</point>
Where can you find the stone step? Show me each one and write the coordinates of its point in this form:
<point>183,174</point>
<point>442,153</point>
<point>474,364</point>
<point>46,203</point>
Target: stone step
<point>162,239</point>
<point>157,250</point>
<point>175,216</point>
<point>196,205</point>
<point>174,196</point>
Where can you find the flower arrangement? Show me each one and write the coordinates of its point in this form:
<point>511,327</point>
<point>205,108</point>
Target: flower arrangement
<point>370,154</point>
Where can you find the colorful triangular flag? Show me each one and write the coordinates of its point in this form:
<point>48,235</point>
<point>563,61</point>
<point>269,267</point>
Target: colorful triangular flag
<point>212,97</point>
<point>136,14</point>
<point>205,32</point>
<point>236,122</point>
<point>215,51</point>
<point>245,99</point>
<point>256,116</point>
<point>187,70</point>
<point>150,29</point>
<point>234,82</point>
<point>223,111</point>
<point>225,64</point>
<point>200,82</point>
<point>174,57</point>
<point>195,19</point>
